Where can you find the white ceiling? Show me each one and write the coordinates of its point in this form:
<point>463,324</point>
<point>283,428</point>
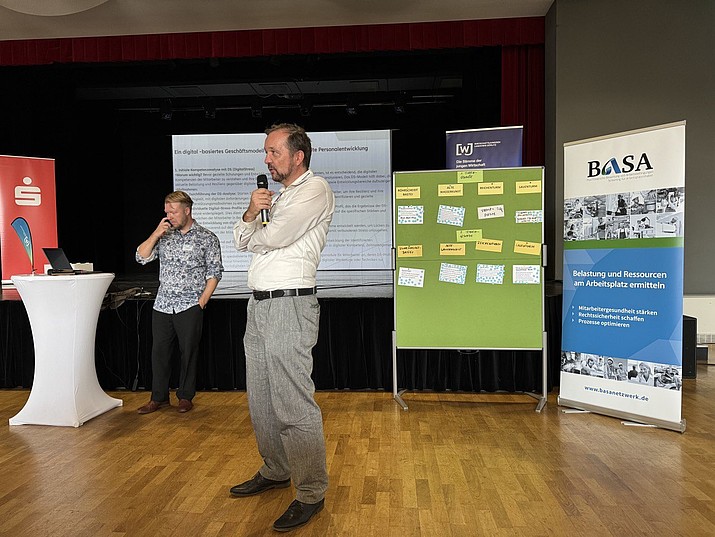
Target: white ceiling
<point>39,19</point>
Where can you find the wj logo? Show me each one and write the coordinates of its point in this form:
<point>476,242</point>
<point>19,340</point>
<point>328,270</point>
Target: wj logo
<point>464,150</point>
<point>612,166</point>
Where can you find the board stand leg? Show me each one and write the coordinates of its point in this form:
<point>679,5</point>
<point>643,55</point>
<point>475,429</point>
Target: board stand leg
<point>541,400</point>
<point>543,397</point>
<point>398,399</point>
<point>396,395</point>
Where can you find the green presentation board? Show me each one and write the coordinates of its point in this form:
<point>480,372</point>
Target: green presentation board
<point>468,259</point>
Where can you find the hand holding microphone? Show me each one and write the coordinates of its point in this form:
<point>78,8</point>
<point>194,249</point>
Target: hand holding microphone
<point>260,203</point>
<point>262,182</point>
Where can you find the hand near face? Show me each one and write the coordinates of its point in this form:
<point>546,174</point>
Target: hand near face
<point>162,228</point>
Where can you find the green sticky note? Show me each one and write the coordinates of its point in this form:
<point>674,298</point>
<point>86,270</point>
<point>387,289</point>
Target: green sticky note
<point>470,176</point>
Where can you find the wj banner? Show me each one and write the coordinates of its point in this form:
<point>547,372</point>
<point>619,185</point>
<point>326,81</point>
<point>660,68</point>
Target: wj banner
<point>484,148</point>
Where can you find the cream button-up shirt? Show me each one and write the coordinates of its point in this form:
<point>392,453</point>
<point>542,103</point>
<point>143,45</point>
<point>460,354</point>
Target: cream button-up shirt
<point>286,252</point>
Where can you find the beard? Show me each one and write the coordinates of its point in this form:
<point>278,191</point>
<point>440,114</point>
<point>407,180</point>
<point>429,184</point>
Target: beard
<point>279,177</point>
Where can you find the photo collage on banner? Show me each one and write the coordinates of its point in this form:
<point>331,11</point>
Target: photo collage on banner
<point>626,215</point>
<point>624,207</point>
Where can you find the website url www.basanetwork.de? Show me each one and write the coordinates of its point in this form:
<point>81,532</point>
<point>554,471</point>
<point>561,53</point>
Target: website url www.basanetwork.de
<point>616,393</point>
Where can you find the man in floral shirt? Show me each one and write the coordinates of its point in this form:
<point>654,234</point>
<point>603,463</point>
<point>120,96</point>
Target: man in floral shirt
<point>189,271</point>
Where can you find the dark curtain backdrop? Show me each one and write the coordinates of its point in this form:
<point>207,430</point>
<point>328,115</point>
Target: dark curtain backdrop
<point>113,168</point>
<point>113,159</point>
<point>354,351</point>
<point>521,41</point>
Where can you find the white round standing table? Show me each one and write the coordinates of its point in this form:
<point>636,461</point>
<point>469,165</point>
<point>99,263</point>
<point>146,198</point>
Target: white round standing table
<point>63,312</point>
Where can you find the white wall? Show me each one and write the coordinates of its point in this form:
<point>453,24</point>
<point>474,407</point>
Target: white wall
<point>702,307</point>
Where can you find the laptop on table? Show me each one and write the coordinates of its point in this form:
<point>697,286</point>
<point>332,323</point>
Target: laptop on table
<point>60,264</point>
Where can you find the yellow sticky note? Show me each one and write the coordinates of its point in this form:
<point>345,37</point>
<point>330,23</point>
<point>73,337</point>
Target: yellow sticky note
<point>489,245</point>
<point>407,192</point>
<point>450,190</point>
<point>524,247</point>
<point>412,250</point>
<point>528,187</point>
<point>451,248</point>
<point>469,235</point>
<point>487,189</point>
<point>470,176</point>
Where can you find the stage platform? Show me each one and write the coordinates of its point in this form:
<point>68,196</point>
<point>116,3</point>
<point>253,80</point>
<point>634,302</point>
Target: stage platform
<point>354,349</point>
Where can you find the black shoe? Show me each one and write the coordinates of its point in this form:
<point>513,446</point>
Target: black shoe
<point>258,484</point>
<point>298,514</point>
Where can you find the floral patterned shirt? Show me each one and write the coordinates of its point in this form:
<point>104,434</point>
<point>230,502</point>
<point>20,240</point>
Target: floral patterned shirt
<point>186,261</point>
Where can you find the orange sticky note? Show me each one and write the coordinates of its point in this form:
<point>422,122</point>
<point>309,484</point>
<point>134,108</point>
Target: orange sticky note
<point>525,247</point>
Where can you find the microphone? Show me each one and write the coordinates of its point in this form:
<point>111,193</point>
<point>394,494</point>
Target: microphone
<point>262,182</point>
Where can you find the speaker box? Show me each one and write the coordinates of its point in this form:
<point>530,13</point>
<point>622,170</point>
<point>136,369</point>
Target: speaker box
<point>690,331</point>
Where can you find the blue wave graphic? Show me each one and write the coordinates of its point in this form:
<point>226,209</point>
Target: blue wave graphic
<point>22,228</point>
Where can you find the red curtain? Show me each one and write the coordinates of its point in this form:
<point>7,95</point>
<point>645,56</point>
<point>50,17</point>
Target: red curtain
<point>521,39</point>
<point>247,43</point>
<point>522,97</point>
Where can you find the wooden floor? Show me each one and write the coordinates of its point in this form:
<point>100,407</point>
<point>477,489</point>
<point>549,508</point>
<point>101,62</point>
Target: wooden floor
<point>453,465</point>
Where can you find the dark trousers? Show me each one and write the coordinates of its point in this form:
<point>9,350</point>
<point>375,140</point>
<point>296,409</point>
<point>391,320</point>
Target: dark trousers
<point>167,329</point>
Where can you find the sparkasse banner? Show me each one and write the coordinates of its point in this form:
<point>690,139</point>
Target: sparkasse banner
<point>624,207</point>
<point>28,217</point>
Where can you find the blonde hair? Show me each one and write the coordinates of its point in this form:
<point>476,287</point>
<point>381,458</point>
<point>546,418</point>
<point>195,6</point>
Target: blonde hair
<point>179,196</point>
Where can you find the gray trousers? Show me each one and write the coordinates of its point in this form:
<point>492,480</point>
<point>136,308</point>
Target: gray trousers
<point>280,335</point>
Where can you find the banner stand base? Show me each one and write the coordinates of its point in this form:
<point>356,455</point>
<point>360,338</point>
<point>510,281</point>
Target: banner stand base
<point>631,419</point>
<point>398,399</point>
<point>634,424</point>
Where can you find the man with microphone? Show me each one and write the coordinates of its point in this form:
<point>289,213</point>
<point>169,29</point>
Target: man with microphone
<point>189,271</point>
<point>286,232</point>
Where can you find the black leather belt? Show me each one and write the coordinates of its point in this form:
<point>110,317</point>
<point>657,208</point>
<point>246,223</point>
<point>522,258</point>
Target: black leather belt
<point>263,295</point>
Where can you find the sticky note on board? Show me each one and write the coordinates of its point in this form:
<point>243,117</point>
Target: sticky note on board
<point>493,274</point>
<point>407,192</point>
<point>494,211</point>
<point>525,247</point>
<point>410,214</point>
<point>450,190</point>
<point>453,216</point>
<point>452,248</point>
<point>410,250</point>
<point>451,273</point>
<point>528,187</point>
<point>411,277</point>
<point>490,189</point>
<point>526,274</point>
<point>534,216</point>
<point>490,245</point>
<point>470,176</point>
<point>469,235</point>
